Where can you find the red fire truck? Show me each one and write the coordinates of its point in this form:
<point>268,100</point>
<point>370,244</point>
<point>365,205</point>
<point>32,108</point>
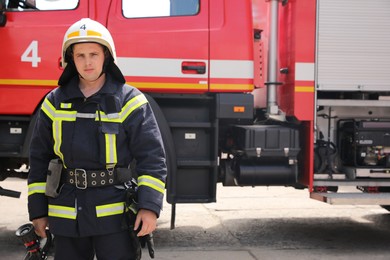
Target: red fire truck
<point>247,93</point>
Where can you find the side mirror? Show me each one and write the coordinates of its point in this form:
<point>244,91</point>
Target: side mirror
<point>3,17</point>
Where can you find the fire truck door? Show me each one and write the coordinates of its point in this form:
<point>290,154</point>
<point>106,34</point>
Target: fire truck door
<point>30,49</point>
<point>162,45</point>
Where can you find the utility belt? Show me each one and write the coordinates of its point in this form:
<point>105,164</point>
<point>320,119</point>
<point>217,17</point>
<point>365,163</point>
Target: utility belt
<point>82,178</point>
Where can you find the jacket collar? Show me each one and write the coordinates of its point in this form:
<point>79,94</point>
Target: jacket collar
<point>72,90</point>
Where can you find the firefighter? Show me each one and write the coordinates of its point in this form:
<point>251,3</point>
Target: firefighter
<point>94,126</point>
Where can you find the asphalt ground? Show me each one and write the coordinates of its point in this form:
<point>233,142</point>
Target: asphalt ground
<point>245,223</point>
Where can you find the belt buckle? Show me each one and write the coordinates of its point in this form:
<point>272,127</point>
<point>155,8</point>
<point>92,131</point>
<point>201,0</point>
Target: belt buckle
<point>80,181</point>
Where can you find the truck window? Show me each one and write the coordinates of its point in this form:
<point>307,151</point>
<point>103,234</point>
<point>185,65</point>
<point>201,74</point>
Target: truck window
<point>159,8</point>
<point>23,5</point>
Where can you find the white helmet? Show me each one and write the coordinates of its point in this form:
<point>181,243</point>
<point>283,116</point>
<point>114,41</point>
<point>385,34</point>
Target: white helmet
<point>87,30</point>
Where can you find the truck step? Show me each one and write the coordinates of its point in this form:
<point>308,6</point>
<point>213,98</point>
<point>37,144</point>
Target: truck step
<point>352,198</point>
<point>358,182</point>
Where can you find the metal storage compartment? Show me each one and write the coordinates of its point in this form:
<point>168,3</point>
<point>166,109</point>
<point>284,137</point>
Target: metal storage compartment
<point>194,129</point>
<point>353,41</point>
<point>266,155</point>
<point>267,140</point>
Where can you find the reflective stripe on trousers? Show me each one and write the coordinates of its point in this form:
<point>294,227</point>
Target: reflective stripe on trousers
<point>101,210</point>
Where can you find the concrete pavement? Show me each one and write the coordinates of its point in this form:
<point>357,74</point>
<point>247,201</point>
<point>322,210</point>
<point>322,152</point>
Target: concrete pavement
<point>246,224</point>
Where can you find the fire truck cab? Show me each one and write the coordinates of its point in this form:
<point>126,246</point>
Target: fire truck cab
<point>247,93</point>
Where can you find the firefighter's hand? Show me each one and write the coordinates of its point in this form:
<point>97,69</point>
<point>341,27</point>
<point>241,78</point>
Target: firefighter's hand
<point>149,222</point>
<point>40,225</point>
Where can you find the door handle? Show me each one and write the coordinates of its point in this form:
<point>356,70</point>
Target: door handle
<point>193,67</point>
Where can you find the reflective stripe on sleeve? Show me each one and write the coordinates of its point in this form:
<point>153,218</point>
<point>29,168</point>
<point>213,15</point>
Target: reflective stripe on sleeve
<point>127,109</point>
<point>62,212</point>
<point>53,114</point>
<point>48,109</point>
<point>37,187</point>
<point>151,182</point>
<point>110,209</point>
<point>131,105</point>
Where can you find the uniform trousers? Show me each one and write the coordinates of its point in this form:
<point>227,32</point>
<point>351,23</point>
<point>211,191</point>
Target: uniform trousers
<point>116,246</point>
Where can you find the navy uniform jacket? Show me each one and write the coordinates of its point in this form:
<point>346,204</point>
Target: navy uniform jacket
<point>110,128</point>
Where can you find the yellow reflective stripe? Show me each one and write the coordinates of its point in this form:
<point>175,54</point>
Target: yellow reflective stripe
<point>151,182</point>
<point>57,116</point>
<point>241,87</point>
<point>37,187</point>
<point>133,208</point>
<point>93,33</point>
<point>53,114</point>
<point>62,212</point>
<point>112,118</point>
<point>73,34</point>
<point>171,85</point>
<point>89,33</point>
<point>111,155</point>
<point>48,109</point>
<point>66,105</point>
<point>304,88</point>
<point>65,115</point>
<point>110,209</point>
<point>87,115</point>
<point>127,109</point>
<point>29,82</point>
<point>57,136</point>
<point>131,105</point>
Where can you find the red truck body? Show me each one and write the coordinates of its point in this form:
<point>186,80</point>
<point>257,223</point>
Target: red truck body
<point>248,92</point>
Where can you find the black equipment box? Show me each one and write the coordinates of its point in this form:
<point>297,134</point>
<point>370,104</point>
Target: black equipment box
<point>372,133</point>
<point>234,106</point>
<point>266,140</point>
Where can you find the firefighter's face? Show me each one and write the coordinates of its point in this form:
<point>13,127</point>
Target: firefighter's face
<point>89,59</point>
